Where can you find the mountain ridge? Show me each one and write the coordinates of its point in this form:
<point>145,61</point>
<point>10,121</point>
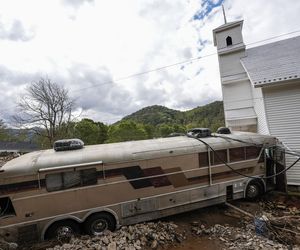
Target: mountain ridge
<point>210,115</point>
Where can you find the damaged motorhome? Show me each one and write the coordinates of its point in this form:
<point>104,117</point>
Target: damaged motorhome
<point>88,189</point>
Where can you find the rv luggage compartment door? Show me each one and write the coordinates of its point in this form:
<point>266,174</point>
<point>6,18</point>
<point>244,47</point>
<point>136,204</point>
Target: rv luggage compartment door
<point>138,207</point>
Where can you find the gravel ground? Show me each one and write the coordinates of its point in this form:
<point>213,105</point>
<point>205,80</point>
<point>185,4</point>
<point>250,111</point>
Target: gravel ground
<point>212,228</point>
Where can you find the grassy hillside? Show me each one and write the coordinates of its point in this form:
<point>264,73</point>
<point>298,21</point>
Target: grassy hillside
<point>154,115</point>
<point>210,115</point>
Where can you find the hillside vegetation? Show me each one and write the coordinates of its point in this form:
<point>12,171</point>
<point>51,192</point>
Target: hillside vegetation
<point>209,116</point>
<point>149,122</point>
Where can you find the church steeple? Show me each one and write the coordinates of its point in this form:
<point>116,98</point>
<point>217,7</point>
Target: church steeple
<point>228,37</point>
<point>236,87</point>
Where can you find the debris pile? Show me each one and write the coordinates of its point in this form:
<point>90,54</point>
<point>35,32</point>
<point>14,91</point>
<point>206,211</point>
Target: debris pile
<point>7,246</point>
<point>282,219</point>
<point>237,238</point>
<point>140,236</point>
<point>284,229</point>
<point>280,208</point>
<point>5,157</point>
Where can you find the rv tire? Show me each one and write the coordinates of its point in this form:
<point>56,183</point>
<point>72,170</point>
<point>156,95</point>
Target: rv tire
<point>62,230</point>
<point>97,223</point>
<point>254,190</point>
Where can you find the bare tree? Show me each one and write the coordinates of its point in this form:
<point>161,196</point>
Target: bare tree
<point>46,108</point>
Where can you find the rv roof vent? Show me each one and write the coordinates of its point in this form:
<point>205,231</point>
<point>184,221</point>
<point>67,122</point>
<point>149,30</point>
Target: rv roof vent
<point>199,132</point>
<point>223,130</point>
<point>68,144</point>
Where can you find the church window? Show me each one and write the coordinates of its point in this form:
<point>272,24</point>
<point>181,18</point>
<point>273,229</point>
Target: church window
<point>228,41</point>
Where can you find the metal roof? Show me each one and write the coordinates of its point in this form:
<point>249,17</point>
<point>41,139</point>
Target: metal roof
<point>273,63</point>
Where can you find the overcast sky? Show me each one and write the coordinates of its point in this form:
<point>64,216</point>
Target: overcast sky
<point>91,46</point>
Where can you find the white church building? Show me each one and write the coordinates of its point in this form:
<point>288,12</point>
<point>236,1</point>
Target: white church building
<point>261,88</point>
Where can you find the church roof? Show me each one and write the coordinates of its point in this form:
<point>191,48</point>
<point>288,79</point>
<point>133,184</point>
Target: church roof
<point>273,63</point>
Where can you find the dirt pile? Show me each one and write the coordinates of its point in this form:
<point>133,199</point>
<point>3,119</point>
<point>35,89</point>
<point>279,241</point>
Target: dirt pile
<point>140,236</point>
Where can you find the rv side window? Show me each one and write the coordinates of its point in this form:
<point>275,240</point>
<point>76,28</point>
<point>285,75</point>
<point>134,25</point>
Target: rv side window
<point>88,177</point>
<point>219,157</point>
<point>203,159</point>
<point>66,180</point>
<point>71,179</point>
<point>237,154</point>
<point>6,207</point>
<point>54,182</point>
<point>252,152</point>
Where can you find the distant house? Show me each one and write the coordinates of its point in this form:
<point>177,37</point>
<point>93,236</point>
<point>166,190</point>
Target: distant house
<point>17,147</point>
<point>261,87</point>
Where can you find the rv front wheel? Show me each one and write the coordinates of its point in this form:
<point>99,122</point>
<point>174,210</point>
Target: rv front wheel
<point>254,190</point>
<point>62,230</point>
<point>98,223</point>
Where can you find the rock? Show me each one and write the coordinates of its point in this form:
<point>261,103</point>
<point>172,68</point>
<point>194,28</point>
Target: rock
<point>67,246</point>
<point>154,244</point>
<point>112,246</point>
<point>178,238</point>
<point>195,223</point>
<point>12,246</point>
<point>105,240</point>
<point>4,245</point>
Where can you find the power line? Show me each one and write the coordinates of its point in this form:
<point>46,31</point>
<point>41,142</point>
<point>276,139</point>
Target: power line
<point>178,63</point>
<point>236,171</point>
<point>146,72</point>
<point>165,67</point>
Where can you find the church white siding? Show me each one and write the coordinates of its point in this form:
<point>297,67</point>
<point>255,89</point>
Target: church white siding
<point>282,105</point>
<point>259,107</point>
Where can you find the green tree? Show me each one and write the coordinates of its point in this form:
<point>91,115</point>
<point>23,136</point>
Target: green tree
<point>126,131</point>
<point>150,130</point>
<point>167,129</point>
<point>90,132</point>
<point>4,136</point>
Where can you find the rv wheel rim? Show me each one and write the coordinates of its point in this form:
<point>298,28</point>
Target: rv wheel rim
<point>99,226</point>
<point>64,231</point>
<point>252,191</point>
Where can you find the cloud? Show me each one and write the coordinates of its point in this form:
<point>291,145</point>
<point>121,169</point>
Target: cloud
<point>76,3</point>
<point>16,32</point>
<point>100,91</point>
<point>108,40</point>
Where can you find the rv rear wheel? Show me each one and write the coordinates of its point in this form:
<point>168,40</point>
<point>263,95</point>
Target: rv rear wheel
<point>254,190</point>
<point>98,223</point>
<point>62,230</point>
